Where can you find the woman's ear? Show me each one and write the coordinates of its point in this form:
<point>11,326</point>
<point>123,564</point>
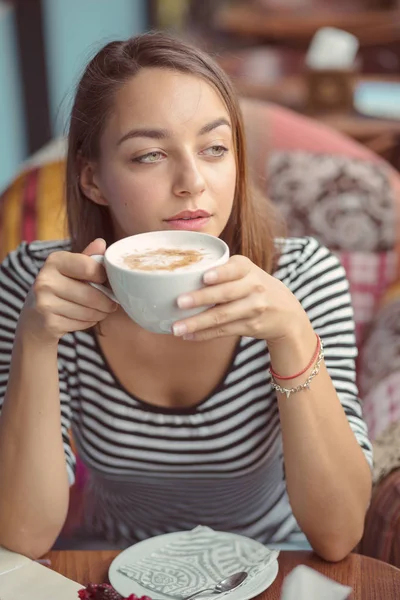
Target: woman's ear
<point>88,183</point>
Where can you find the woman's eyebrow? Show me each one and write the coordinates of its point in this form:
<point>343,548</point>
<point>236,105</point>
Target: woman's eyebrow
<point>162,134</point>
<point>155,134</point>
<point>213,125</point>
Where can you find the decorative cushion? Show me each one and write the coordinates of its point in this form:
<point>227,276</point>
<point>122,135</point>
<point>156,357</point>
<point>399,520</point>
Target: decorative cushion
<point>379,366</point>
<point>270,127</point>
<point>381,405</point>
<point>387,452</point>
<point>369,275</point>
<point>381,353</point>
<point>347,203</point>
<point>32,207</point>
<point>381,538</point>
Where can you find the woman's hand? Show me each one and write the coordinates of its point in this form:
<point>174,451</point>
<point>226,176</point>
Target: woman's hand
<point>60,301</point>
<point>248,302</point>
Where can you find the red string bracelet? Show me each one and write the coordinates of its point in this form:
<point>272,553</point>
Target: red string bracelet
<point>312,361</point>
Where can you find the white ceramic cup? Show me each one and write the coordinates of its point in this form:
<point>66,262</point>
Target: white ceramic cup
<point>150,297</point>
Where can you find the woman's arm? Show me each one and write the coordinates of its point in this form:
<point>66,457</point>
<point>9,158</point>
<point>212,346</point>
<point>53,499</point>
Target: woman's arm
<point>324,435</point>
<point>34,457</point>
<point>33,476</point>
<point>327,475</point>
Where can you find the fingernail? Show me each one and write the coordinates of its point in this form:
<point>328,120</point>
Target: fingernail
<point>210,277</point>
<point>179,329</point>
<point>185,301</point>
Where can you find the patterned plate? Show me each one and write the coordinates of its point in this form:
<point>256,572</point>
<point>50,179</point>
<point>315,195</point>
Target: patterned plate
<point>174,565</point>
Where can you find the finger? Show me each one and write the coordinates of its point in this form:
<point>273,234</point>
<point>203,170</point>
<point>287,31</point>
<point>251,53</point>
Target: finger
<point>83,294</point>
<point>235,328</point>
<point>215,294</point>
<point>76,312</point>
<point>98,246</point>
<point>65,325</point>
<point>219,316</point>
<point>236,268</point>
<point>77,266</point>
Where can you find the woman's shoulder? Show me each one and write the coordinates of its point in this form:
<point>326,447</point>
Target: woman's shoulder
<point>297,248</point>
<point>39,251</point>
<point>303,254</point>
<point>31,256</point>
<point>21,266</point>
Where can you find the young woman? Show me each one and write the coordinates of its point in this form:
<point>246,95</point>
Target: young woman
<point>194,427</point>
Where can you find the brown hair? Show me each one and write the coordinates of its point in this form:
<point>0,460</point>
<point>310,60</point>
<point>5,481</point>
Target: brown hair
<point>252,225</point>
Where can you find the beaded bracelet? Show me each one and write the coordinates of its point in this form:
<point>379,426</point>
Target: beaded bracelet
<point>306,384</point>
<point>310,364</point>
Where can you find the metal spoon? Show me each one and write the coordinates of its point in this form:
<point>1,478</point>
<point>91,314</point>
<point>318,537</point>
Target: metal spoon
<point>226,585</point>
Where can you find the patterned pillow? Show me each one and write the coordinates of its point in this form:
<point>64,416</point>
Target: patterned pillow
<point>381,538</point>
<point>369,274</point>
<point>32,207</point>
<point>347,203</point>
<point>379,367</point>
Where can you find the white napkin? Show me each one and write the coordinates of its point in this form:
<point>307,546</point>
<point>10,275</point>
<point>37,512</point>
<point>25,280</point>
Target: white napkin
<point>24,579</point>
<point>304,583</point>
<point>197,560</point>
<point>10,561</point>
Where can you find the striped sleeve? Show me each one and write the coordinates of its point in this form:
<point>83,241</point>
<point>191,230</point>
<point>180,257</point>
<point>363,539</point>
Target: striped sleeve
<point>319,282</point>
<point>17,274</point>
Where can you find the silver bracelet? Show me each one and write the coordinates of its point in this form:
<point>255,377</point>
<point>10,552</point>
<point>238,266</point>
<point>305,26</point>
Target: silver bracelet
<point>306,384</point>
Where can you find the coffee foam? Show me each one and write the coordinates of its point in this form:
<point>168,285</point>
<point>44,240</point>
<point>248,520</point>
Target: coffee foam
<point>168,259</point>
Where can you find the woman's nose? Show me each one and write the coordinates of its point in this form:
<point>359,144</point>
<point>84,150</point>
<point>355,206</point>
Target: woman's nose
<point>189,180</point>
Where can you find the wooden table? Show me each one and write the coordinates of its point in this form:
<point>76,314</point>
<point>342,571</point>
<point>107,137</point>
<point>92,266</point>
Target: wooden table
<point>291,92</point>
<point>266,74</point>
<point>298,27</point>
<point>369,578</point>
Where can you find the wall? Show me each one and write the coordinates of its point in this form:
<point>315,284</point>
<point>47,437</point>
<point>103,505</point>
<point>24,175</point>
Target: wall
<point>73,31</point>
<point>12,135</point>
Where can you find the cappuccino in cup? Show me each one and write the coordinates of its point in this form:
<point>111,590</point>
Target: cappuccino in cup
<point>147,272</point>
<point>169,259</point>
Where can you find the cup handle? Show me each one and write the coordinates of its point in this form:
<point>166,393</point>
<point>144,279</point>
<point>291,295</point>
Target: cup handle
<point>99,258</point>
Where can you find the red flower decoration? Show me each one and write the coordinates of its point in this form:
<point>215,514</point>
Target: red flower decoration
<point>103,591</point>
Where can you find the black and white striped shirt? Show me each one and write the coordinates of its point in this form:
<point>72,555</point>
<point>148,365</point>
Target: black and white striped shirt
<point>154,470</point>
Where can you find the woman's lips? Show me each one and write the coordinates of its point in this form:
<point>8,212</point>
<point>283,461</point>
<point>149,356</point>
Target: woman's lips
<point>189,224</point>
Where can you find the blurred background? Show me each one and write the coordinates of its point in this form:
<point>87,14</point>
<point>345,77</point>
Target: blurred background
<point>263,44</point>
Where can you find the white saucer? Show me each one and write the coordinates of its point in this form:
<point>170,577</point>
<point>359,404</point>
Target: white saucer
<point>125,586</point>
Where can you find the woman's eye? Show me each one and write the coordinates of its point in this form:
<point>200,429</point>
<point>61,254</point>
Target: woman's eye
<point>150,157</point>
<point>216,151</point>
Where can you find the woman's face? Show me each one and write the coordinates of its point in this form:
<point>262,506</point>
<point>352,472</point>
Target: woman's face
<point>166,156</point>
